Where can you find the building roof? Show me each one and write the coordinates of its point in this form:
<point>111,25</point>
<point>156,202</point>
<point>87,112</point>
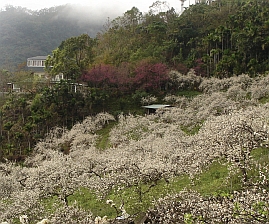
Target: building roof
<point>38,58</point>
<point>156,106</point>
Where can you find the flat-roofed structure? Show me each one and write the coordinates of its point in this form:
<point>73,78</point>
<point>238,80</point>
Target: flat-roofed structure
<point>153,107</point>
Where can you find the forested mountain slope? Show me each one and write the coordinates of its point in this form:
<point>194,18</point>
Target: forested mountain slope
<point>223,38</point>
<point>26,33</point>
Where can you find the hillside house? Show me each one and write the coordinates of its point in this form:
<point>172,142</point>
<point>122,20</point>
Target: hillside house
<point>37,66</point>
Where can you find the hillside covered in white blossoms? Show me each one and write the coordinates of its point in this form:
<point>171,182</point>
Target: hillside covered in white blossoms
<point>151,165</point>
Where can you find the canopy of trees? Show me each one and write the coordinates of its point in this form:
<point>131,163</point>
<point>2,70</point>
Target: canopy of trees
<point>223,38</point>
<point>72,57</point>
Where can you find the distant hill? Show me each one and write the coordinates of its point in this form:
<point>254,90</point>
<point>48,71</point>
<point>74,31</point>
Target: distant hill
<point>26,33</point>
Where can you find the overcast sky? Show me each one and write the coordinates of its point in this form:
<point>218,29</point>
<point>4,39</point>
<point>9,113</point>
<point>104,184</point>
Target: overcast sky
<point>120,6</point>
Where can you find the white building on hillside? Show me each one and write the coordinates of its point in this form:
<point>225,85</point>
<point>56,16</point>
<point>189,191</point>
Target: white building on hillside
<point>37,66</point>
<point>36,62</point>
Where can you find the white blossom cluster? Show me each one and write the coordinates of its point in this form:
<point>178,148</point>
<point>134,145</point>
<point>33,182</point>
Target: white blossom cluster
<point>148,100</point>
<point>249,206</point>
<point>210,85</point>
<point>183,82</point>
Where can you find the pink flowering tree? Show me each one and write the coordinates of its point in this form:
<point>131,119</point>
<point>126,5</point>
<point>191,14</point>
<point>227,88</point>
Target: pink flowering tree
<point>101,76</point>
<point>110,77</point>
<point>150,77</point>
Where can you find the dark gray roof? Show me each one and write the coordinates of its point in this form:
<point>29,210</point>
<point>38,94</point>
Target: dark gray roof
<point>156,106</point>
<point>38,58</point>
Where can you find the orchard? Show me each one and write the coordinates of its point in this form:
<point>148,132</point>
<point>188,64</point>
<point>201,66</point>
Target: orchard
<point>151,164</point>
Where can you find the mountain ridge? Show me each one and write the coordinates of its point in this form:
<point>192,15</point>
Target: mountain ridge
<point>26,33</point>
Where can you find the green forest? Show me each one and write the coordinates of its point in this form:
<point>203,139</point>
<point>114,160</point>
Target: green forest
<point>222,39</point>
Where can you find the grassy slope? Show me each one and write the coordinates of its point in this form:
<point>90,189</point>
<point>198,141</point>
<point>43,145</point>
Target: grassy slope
<point>212,181</point>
